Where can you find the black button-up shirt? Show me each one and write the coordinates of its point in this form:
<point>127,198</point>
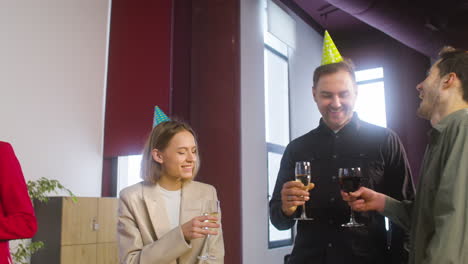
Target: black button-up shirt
<point>381,156</point>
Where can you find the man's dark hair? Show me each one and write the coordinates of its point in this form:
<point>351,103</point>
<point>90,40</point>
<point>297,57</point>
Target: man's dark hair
<point>456,61</point>
<point>326,69</point>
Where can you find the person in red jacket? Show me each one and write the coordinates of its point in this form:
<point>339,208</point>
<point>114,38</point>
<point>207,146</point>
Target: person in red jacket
<point>17,219</point>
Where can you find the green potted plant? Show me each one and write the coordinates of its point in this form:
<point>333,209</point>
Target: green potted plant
<point>38,190</point>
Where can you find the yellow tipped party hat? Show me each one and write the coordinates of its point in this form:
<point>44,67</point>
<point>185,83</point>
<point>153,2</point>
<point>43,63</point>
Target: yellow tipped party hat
<point>159,116</point>
<point>330,53</point>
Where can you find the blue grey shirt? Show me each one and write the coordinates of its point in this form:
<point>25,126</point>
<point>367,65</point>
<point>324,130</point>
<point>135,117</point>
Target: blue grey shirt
<point>438,218</point>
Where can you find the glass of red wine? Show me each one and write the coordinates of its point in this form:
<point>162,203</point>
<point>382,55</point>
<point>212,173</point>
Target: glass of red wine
<point>350,181</point>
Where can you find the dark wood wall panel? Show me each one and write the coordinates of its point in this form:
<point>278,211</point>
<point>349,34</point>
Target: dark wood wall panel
<point>181,59</point>
<point>215,108</point>
<point>211,100</point>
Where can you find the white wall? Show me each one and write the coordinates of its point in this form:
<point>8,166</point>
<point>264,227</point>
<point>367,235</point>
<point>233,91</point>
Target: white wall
<point>304,116</point>
<point>53,57</point>
<point>253,149</point>
<point>307,55</point>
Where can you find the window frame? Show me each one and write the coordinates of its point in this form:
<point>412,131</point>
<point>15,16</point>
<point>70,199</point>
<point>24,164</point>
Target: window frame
<point>278,149</point>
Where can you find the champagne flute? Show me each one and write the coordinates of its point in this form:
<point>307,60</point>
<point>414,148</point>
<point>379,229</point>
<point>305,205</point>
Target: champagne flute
<point>350,181</point>
<point>209,208</point>
<point>302,172</point>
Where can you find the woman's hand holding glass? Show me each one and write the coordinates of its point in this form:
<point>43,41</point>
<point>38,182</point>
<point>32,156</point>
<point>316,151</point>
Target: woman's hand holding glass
<point>200,226</point>
<point>210,208</point>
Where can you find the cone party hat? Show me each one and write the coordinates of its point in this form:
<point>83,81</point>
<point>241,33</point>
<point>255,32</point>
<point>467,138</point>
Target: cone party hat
<point>330,53</point>
<point>159,116</point>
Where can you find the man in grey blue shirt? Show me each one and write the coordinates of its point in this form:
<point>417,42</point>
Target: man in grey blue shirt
<point>438,218</point>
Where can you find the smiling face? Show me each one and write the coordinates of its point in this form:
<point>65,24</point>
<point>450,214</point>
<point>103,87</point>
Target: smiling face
<point>429,93</point>
<point>179,159</point>
<point>335,95</point>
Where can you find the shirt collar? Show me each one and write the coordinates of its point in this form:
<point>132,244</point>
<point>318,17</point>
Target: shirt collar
<point>449,118</point>
<point>440,127</point>
<point>352,125</point>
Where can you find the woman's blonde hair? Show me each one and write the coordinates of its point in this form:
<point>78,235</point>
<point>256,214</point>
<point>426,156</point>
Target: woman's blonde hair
<point>159,139</point>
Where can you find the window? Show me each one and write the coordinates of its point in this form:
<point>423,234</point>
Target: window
<point>276,121</point>
<point>128,171</point>
<point>370,103</point>
<point>279,38</point>
<point>277,128</point>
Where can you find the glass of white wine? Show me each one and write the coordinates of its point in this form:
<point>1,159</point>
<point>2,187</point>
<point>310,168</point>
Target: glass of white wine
<point>211,208</point>
<point>302,172</point>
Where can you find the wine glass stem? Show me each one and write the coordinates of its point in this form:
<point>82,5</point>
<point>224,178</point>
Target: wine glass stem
<point>303,211</point>
<point>352,220</point>
<point>208,245</point>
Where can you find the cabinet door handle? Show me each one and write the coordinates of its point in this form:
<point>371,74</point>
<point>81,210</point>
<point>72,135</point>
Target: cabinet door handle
<point>95,225</point>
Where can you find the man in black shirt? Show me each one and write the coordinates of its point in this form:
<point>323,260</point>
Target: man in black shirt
<point>341,140</point>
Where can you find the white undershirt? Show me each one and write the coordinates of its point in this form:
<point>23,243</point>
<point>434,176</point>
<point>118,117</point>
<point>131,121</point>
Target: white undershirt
<point>172,201</point>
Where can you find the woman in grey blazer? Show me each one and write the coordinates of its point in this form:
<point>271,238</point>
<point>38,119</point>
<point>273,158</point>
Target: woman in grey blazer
<point>161,219</point>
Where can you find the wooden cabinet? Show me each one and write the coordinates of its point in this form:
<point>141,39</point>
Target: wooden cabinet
<point>108,253</point>
<point>78,254</point>
<point>77,233</point>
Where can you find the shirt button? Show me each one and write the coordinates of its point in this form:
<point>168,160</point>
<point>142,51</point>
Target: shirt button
<point>334,178</point>
<point>330,245</point>
<point>334,156</point>
<point>332,199</point>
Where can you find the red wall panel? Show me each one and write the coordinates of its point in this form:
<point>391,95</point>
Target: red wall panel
<point>206,89</point>
<point>139,72</point>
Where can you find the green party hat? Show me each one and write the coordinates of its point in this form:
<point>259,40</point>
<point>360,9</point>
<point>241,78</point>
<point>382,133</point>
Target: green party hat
<point>330,53</point>
<point>159,116</point>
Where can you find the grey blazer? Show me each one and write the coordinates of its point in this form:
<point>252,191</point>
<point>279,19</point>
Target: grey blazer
<point>144,232</point>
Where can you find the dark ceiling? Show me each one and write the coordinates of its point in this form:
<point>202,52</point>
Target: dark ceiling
<point>422,25</point>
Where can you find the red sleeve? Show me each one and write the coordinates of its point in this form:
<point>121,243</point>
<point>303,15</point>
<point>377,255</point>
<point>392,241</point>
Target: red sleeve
<point>17,219</point>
